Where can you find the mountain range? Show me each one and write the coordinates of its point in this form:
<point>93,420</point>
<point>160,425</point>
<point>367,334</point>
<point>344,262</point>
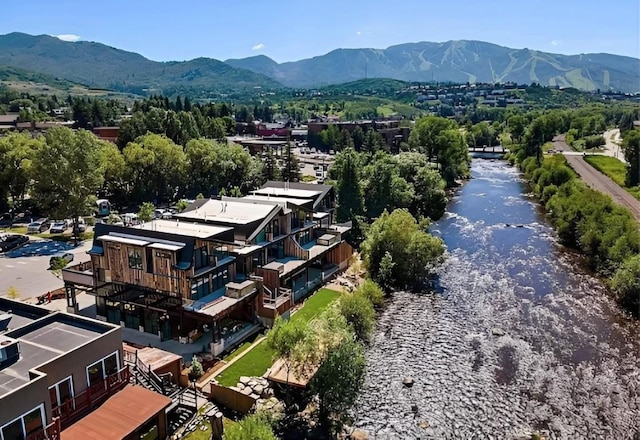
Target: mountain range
<point>454,61</point>
<point>100,66</point>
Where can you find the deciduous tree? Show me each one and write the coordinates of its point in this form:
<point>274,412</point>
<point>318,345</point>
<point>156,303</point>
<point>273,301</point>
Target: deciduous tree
<point>338,380</point>
<point>68,172</point>
<point>413,251</point>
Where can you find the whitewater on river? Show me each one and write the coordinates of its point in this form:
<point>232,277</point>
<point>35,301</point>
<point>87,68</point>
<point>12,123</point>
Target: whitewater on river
<point>515,337</point>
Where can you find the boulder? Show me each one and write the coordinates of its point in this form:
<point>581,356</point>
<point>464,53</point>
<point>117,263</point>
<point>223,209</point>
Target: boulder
<point>497,332</point>
<point>258,389</point>
<point>359,435</point>
<point>244,379</point>
<point>246,391</point>
<point>408,381</point>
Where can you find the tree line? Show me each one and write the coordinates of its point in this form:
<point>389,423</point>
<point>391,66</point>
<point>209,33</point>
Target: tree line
<point>60,172</point>
<point>587,220</point>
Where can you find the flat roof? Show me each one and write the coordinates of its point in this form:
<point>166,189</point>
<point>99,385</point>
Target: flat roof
<point>247,249</point>
<point>124,240</point>
<point>268,198</point>
<point>284,192</point>
<point>167,247</point>
<point>217,306</point>
<point>188,229</point>
<point>279,372</point>
<point>21,313</point>
<point>239,211</point>
<point>153,357</point>
<point>43,340</point>
<point>122,414</point>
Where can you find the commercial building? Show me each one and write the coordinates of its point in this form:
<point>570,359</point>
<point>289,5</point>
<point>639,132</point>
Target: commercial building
<point>220,270</point>
<point>55,368</point>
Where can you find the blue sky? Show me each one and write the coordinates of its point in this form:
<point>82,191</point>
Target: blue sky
<point>289,30</point>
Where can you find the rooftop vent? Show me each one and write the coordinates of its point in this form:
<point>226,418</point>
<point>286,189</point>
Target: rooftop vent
<point>9,351</point>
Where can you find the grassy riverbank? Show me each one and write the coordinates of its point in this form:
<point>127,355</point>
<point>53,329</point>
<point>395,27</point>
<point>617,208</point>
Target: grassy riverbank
<point>614,169</point>
<point>256,361</point>
<point>589,221</point>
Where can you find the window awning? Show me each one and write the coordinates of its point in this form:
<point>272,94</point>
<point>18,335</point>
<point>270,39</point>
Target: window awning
<point>124,240</point>
<point>167,247</point>
<point>320,215</point>
<point>96,250</point>
<point>183,265</point>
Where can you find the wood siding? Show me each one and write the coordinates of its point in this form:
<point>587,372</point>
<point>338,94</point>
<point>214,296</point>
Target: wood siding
<point>340,254</point>
<point>164,278</point>
<point>293,249</point>
<point>271,278</point>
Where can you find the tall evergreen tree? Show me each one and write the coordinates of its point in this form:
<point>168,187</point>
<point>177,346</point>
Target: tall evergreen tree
<point>349,189</point>
<point>290,171</point>
<point>270,170</point>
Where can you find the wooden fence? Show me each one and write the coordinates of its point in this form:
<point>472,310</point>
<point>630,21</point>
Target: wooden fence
<point>231,398</point>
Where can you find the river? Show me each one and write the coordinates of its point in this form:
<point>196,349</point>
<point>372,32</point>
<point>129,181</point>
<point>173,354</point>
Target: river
<point>515,337</point>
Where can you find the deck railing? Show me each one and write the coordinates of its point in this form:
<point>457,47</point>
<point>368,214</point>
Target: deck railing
<point>74,409</point>
<point>50,432</point>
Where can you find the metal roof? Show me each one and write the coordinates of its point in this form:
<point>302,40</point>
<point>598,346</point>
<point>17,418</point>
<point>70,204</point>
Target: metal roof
<point>123,240</point>
<point>167,247</point>
<point>179,227</point>
<point>239,211</point>
<point>121,415</point>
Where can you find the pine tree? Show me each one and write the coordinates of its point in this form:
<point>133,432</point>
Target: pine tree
<point>270,171</point>
<point>290,172</point>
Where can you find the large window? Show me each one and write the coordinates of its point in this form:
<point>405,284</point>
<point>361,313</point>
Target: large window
<point>135,259</point>
<point>61,392</point>
<point>220,279</point>
<point>27,424</point>
<point>98,372</point>
<point>200,288</point>
<point>202,257</point>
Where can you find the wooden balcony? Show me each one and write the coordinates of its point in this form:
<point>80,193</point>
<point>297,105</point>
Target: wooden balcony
<point>79,274</point>
<point>83,403</point>
<point>50,432</point>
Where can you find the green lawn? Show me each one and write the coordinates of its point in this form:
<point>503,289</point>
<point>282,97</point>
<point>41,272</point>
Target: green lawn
<point>259,359</point>
<point>254,363</point>
<point>315,305</point>
<point>614,169</point>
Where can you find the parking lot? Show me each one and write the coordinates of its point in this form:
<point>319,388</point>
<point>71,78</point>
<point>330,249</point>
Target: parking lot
<point>30,274</point>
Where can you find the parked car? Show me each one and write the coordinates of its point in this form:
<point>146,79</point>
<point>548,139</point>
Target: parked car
<point>60,259</point>
<point>79,228</point>
<point>38,227</point>
<point>6,220</point>
<point>10,242</point>
<point>59,227</point>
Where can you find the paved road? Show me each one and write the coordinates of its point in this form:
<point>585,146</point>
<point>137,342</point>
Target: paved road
<point>595,179</point>
<point>598,181</point>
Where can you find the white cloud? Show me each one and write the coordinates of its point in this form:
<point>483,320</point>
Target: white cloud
<point>258,46</point>
<point>358,33</point>
<point>555,43</point>
<point>69,37</point>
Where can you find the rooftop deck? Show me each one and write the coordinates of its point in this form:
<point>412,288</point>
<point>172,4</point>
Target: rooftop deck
<point>44,339</point>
